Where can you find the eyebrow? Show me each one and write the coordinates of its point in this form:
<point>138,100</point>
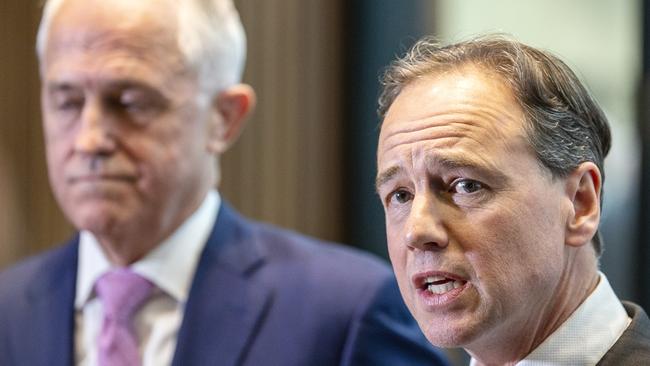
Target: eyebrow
<point>486,169</point>
<point>386,176</point>
<point>127,83</point>
<point>123,84</point>
<point>446,163</point>
<point>54,87</point>
<point>453,163</point>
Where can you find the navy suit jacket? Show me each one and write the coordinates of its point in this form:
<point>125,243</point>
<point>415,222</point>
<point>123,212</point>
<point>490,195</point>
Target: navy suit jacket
<point>260,296</point>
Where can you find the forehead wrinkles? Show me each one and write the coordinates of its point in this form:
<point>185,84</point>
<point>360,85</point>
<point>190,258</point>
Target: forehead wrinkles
<point>454,109</point>
<point>154,50</point>
<point>474,127</point>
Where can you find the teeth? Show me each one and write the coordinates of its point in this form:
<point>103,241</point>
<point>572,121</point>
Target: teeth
<point>443,288</point>
<point>433,279</point>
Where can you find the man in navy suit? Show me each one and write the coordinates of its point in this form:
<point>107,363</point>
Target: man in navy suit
<point>139,98</point>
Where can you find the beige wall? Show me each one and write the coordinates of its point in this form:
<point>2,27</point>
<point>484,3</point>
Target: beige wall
<point>30,220</point>
<point>284,169</point>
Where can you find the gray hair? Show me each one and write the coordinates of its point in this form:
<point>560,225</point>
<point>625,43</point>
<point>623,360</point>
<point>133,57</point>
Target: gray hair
<point>565,126</point>
<point>210,37</point>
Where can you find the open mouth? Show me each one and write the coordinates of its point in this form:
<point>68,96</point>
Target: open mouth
<point>440,284</point>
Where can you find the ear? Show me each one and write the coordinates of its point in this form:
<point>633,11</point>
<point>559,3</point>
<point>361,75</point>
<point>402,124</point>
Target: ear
<point>230,109</point>
<point>583,187</point>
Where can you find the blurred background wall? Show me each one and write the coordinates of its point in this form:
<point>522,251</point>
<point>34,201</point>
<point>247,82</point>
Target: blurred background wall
<point>307,158</point>
<point>29,219</point>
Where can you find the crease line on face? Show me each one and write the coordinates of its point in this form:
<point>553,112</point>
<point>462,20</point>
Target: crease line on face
<point>445,126</point>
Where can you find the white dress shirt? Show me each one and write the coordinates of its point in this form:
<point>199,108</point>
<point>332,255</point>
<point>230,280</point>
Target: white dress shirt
<point>170,267</point>
<point>585,337</point>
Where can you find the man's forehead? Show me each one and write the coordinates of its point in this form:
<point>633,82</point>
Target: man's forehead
<point>133,24</point>
<point>117,10</point>
<point>461,118</point>
<point>83,67</point>
<point>462,103</point>
<point>461,84</point>
<point>101,42</point>
<point>107,85</point>
<point>67,40</point>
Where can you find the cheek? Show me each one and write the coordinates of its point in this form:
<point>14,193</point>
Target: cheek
<point>56,163</point>
<point>396,249</point>
<point>398,253</point>
<point>515,252</point>
<point>154,150</point>
<point>167,164</point>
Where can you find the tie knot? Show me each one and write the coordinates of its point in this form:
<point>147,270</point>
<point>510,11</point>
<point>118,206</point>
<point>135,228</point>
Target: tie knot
<point>122,292</point>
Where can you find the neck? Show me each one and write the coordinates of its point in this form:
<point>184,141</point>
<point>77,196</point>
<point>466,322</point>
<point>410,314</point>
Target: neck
<point>125,253</point>
<point>515,340</point>
<point>125,244</point>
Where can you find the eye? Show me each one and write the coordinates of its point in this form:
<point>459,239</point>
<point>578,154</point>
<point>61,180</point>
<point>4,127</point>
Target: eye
<point>400,196</point>
<point>466,186</point>
<point>68,103</point>
<point>139,106</point>
<point>130,103</point>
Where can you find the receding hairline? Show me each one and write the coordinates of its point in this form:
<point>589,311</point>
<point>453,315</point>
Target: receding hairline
<point>209,35</point>
<point>427,57</point>
<point>51,20</point>
<point>476,67</point>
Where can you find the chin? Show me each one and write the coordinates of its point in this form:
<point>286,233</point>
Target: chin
<point>98,219</point>
<point>448,334</point>
<point>97,224</point>
<point>446,339</point>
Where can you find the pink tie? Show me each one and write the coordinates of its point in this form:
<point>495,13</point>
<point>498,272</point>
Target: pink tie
<point>122,292</point>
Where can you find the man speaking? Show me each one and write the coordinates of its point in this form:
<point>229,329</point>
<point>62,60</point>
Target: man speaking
<point>490,170</point>
<point>139,99</point>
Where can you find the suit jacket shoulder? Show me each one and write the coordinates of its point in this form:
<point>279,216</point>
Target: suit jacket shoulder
<point>36,309</point>
<point>633,347</point>
<point>260,296</point>
<point>263,295</point>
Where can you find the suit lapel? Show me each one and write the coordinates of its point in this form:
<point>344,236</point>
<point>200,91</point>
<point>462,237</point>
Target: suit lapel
<point>51,301</point>
<point>225,305</point>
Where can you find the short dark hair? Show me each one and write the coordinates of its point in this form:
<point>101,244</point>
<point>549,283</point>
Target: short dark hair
<point>565,126</point>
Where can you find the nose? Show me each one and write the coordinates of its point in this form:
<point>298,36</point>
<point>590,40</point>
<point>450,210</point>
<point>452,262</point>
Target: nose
<point>94,136</point>
<point>425,228</point>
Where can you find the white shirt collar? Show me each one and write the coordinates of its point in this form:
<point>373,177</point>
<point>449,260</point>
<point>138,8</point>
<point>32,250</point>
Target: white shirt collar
<point>585,337</point>
<point>170,266</point>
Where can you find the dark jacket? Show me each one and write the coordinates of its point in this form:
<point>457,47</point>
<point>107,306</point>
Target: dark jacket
<point>260,296</point>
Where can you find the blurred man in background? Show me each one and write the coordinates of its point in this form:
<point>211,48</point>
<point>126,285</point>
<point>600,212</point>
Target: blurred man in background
<point>139,100</point>
<point>490,170</point>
